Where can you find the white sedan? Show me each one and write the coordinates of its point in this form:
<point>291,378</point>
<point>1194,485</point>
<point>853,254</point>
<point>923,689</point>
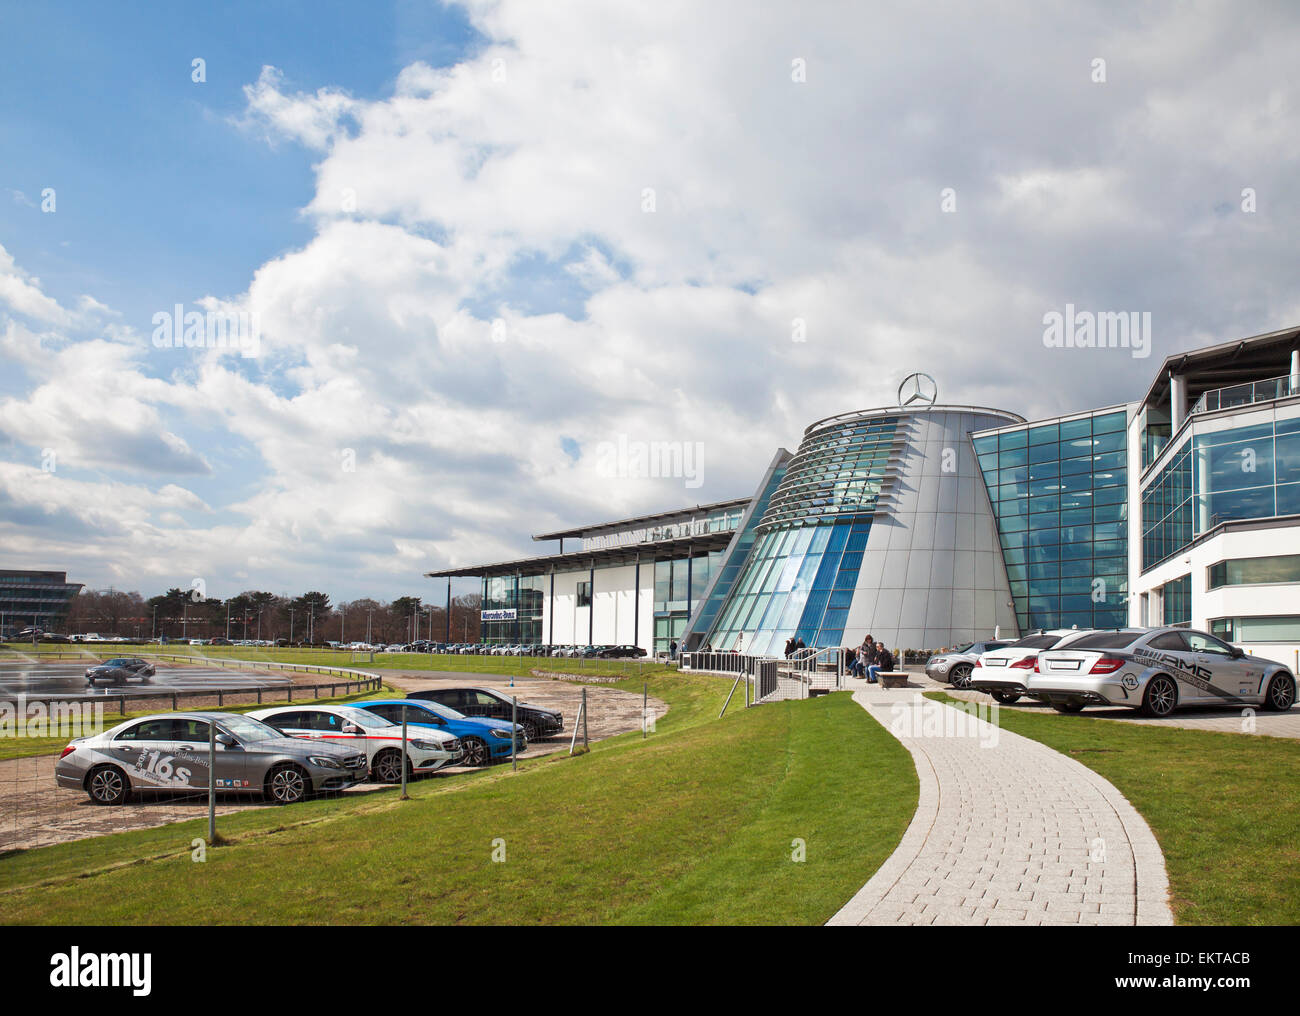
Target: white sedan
<point>426,750</point>
<point>1003,672</point>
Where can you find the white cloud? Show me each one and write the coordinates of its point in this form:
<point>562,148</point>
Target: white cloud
<point>388,428</point>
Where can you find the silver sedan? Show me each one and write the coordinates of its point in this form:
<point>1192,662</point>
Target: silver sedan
<point>169,752</point>
<point>1156,670</point>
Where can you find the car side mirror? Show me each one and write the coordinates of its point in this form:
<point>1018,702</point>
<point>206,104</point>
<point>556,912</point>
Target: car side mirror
<point>351,728</point>
<point>226,740</point>
<point>1237,654</point>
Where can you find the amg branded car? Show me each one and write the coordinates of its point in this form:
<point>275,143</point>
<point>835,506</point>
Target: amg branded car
<point>381,741</point>
<point>1003,672</point>
<point>119,670</point>
<point>536,721</point>
<point>483,739</point>
<point>168,752</point>
<point>956,667</point>
<point>1156,670</point>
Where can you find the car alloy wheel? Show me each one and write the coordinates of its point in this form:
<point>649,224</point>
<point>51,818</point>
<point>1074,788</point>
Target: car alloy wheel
<point>1070,706</point>
<point>476,752</point>
<point>388,766</point>
<point>107,785</point>
<point>287,785</point>
<point>1006,697</point>
<point>530,730</point>
<point>1161,696</point>
<point>1281,693</point>
<point>961,675</point>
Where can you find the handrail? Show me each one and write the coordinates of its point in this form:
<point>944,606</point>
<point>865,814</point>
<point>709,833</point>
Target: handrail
<point>1260,391</point>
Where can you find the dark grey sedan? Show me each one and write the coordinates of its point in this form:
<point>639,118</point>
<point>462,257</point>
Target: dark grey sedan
<point>120,670</point>
<point>169,753</point>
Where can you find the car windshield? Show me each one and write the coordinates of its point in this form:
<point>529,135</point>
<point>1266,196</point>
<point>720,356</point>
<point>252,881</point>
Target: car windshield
<point>963,649</point>
<point>1037,642</point>
<point>245,728</point>
<point>446,712</point>
<point>360,716</point>
<point>1107,640</point>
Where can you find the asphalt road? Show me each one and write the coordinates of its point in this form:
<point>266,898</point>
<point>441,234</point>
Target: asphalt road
<point>66,680</point>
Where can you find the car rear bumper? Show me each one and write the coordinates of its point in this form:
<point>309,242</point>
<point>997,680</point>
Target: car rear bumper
<point>1090,690</point>
<point>986,682</point>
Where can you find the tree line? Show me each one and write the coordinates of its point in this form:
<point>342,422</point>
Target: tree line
<point>309,619</point>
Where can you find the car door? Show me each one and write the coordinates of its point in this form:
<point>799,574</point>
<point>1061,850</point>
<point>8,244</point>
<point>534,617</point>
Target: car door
<point>165,758</point>
<point>1235,677</point>
<point>487,705</point>
<point>1176,656</point>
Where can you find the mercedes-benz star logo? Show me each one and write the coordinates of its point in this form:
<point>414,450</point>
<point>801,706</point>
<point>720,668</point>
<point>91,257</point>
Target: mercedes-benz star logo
<point>917,388</point>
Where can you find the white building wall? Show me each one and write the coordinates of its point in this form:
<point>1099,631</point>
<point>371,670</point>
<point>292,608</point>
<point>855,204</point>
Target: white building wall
<point>1229,601</point>
<point>615,602</point>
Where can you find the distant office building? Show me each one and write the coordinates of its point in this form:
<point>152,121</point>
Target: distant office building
<point>926,525</point>
<point>39,599</point>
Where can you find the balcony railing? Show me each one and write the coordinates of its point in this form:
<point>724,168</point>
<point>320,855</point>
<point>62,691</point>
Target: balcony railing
<point>1245,394</point>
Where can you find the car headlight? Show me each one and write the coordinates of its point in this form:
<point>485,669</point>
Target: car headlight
<point>324,761</point>
<point>504,735</point>
<point>429,745</point>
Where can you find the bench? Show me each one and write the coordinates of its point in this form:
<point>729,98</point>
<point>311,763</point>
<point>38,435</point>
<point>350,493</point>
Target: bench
<point>892,678</point>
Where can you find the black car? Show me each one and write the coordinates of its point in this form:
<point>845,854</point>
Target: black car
<point>537,722</point>
<point>120,670</point>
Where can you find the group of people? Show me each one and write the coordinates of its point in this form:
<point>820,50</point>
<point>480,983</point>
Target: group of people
<point>793,645</point>
<point>869,660</point>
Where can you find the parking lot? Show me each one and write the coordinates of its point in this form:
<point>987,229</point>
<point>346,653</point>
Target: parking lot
<point>35,812</point>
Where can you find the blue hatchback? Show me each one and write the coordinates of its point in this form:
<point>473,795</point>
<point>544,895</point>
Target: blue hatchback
<point>485,740</point>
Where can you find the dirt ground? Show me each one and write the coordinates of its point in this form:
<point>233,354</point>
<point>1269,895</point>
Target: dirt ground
<point>35,812</point>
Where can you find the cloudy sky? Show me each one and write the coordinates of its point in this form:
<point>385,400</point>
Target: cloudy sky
<point>482,242</point>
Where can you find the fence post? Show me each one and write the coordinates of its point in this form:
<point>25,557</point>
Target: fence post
<point>404,796</point>
<point>212,782</point>
<point>585,743</point>
<point>514,742</point>
<point>645,693</point>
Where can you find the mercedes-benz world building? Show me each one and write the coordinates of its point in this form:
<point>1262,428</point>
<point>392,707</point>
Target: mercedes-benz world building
<point>927,525</point>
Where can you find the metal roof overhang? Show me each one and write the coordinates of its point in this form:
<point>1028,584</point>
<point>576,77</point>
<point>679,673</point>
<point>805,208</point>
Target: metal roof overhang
<point>1250,359</point>
<point>577,560</point>
<point>598,527</point>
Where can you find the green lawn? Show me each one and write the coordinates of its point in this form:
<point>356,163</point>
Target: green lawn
<point>694,825</point>
<point>1225,808</point>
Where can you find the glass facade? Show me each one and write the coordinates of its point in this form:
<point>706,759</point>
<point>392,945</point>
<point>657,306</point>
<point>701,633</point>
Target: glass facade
<point>523,594</point>
<point>1060,497</point>
<point>799,579</point>
<point>30,598</point>
<point>730,571</point>
<point>679,585</point>
<point>1243,473</point>
<point>1275,628</point>
<point>1177,598</point>
<point>1253,571</point>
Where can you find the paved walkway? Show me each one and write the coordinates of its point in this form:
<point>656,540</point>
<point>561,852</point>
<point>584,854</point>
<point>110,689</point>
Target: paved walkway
<point>1006,831</point>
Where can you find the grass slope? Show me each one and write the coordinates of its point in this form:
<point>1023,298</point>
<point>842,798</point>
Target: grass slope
<point>694,825</point>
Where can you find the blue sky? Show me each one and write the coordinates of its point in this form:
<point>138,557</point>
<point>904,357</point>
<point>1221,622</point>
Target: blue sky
<point>484,239</point>
<point>158,192</point>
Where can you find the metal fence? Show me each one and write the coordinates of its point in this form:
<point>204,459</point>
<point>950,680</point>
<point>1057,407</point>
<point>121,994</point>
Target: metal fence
<point>193,776</point>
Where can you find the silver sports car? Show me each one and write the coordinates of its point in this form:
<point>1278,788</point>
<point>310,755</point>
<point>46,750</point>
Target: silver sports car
<point>1156,670</point>
<point>956,666</point>
<point>119,670</point>
<point>169,752</point>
